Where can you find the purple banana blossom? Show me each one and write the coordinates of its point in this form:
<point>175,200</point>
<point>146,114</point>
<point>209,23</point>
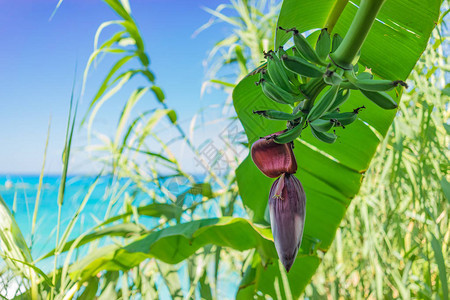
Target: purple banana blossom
<point>287,201</point>
<point>273,159</point>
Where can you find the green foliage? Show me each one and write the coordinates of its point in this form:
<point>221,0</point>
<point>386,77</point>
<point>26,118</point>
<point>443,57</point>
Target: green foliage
<point>176,243</point>
<point>395,230</point>
<point>14,249</point>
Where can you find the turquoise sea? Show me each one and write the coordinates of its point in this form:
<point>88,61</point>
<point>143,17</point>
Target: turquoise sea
<point>20,191</point>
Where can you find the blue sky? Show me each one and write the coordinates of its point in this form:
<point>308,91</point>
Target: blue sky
<point>38,58</point>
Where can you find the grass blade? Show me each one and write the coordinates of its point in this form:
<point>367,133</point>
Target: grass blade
<point>38,195</point>
<point>441,265</point>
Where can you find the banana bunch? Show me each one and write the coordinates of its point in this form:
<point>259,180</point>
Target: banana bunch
<point>297,77</point>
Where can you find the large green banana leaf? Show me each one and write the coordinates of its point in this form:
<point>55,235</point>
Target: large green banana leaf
<point>176,243</point>
<point>331,174</point>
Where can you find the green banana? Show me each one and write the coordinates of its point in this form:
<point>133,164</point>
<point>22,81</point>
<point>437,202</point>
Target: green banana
<point>277,94</point>
<point>291,75</point>
<point>297,109</point>
<point>377,85</point>
<point>337,40</point>
<point>324,103</point>
<point>345,118</point>
<point>278,115</point>
<point>323,44</point>
<point>341,97</point>
<point>364,75</point>
<point>322,125</point>
<point>278,74</point>
<point>302,45</point>
<point>263,76</point>
<point>382,99</point>
<point>301,66</point>
<point>280,52</point>
<point>332,78</point>
<point>326,137</point>
<point>289,135</point>
<point>269,89</point>
<point>313,87</point>
<point>373,85</point>
<point>297,53</point>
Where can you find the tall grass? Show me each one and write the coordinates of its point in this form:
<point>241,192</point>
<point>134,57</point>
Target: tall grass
<point>252,27</point>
